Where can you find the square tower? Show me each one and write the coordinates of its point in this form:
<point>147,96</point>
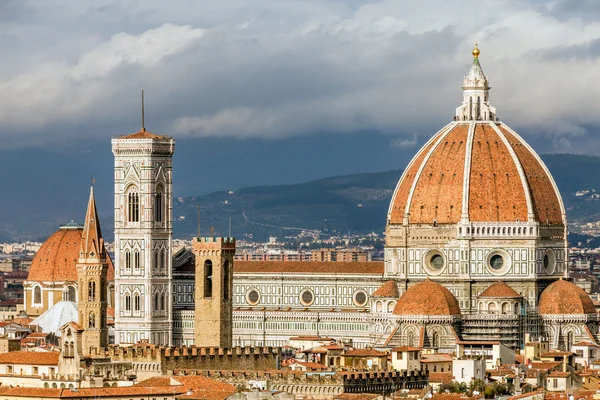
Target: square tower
<point>214,284</point>
<point>143,237</point>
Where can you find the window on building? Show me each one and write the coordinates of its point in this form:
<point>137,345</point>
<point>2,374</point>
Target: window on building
<point>226,280</point>
<point>435,340</point>
<point>71,294</point>
<point>136,259</point>
<point>37,295</point>
<point>127,302</point>
<point>156,302</point>
<point>158,205</point>
<point>554,383</point>
<point>91,291</point>
<point>208,276</point>
<point>35,370</point>
<point>136,302</point>
<point>162,302</point>
<point>156,257</point>
<point>133,205</point>
<point>92,320</point>
<point>127,259</point>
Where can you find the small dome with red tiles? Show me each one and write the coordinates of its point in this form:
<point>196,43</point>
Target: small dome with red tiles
<point>563,297</point>
<point>500,290</point>
<point>427,298</point>
<point>56,260</point>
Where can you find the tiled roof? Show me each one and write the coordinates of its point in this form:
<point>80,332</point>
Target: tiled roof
<point>496,192</point>
<point>440,377</point>
<point>427,298</point>
<point>388,289</point>
<point>29,358</point>
<point>563,297</point>
<point>558,374</point>
<point>311,365</point>
<point>92,392</point>
<point>435,358</point>
<point>56,260</point>
<point>357,396</point>
<point>143,134</point>
<point>556,353</point>
<point>406,348</point>
<point>309,267</point>
<point>365,353</point>
<point>500,290</point>
<point>188,382</point>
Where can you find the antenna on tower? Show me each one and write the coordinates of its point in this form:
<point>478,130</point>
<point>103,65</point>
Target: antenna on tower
<point>229,227</point>
<point>198,222</point>
<point>143,122</point>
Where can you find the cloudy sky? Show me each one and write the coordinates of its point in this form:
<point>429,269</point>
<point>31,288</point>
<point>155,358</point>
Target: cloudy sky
<point>276,69</point>
<point>272,91</point>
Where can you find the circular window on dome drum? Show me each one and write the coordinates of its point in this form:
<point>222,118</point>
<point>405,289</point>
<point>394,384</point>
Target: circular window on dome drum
<point>253,297</point>
<point>549,261</point>
<point>434,262</point>
<point>360,298</point>
<point>498,262</point>
<point>307,297</point>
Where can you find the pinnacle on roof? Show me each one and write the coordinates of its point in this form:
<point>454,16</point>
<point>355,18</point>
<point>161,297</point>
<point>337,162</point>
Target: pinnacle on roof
<point>92,243</point>
<point>476,78</point>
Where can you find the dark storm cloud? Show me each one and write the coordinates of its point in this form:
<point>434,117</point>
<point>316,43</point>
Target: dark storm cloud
<point>274,69</point>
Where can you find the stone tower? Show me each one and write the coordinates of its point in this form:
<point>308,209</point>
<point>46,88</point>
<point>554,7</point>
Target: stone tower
<point>214,284</point>
<point>143,235</point>
<point>92,266</point>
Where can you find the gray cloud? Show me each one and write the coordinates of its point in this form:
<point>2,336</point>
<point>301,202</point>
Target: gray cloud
<point>272,69</point>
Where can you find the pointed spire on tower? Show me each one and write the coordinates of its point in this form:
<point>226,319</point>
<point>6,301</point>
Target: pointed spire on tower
<point>92,243</point>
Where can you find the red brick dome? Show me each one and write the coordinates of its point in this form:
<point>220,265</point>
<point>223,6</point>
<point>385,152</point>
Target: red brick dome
<point>56,260</point>
<point>564,297</point>
<point>482,169</point>
<point>427,298</point>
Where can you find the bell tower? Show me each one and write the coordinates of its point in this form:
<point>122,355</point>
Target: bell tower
<point>214,285</point>
<point>143,237</point>
<point>92,267</point>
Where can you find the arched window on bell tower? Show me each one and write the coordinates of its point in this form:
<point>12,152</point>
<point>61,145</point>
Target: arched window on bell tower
<point>92,320</point>
<point>91,291</point>
<point>158,204</point>
<point>133,205</point>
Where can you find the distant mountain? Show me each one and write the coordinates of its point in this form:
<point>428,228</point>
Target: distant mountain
<point>351,203</point>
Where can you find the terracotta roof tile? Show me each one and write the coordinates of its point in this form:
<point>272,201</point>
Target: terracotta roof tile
<point>309,267</point>
<point>427,298</point>
<point>563,297</point>
<point>357,396</point>
<point>440,377</point>
<point>56,260</point>
<point>500,290</point>
<point>545,200</point>
<point>388,289</point>
<point>365,353</point>
<point>30,358</point>
<point>496,190</point>
<point>143,134</point>
<point>439,189</point>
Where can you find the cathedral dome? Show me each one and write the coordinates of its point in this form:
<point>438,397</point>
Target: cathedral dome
<point>563,297</point>
<point>56,260</point>
<point>476,169</point>
<point>427,298</point>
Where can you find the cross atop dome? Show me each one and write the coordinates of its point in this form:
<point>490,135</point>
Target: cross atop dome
<point>476,105</point>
